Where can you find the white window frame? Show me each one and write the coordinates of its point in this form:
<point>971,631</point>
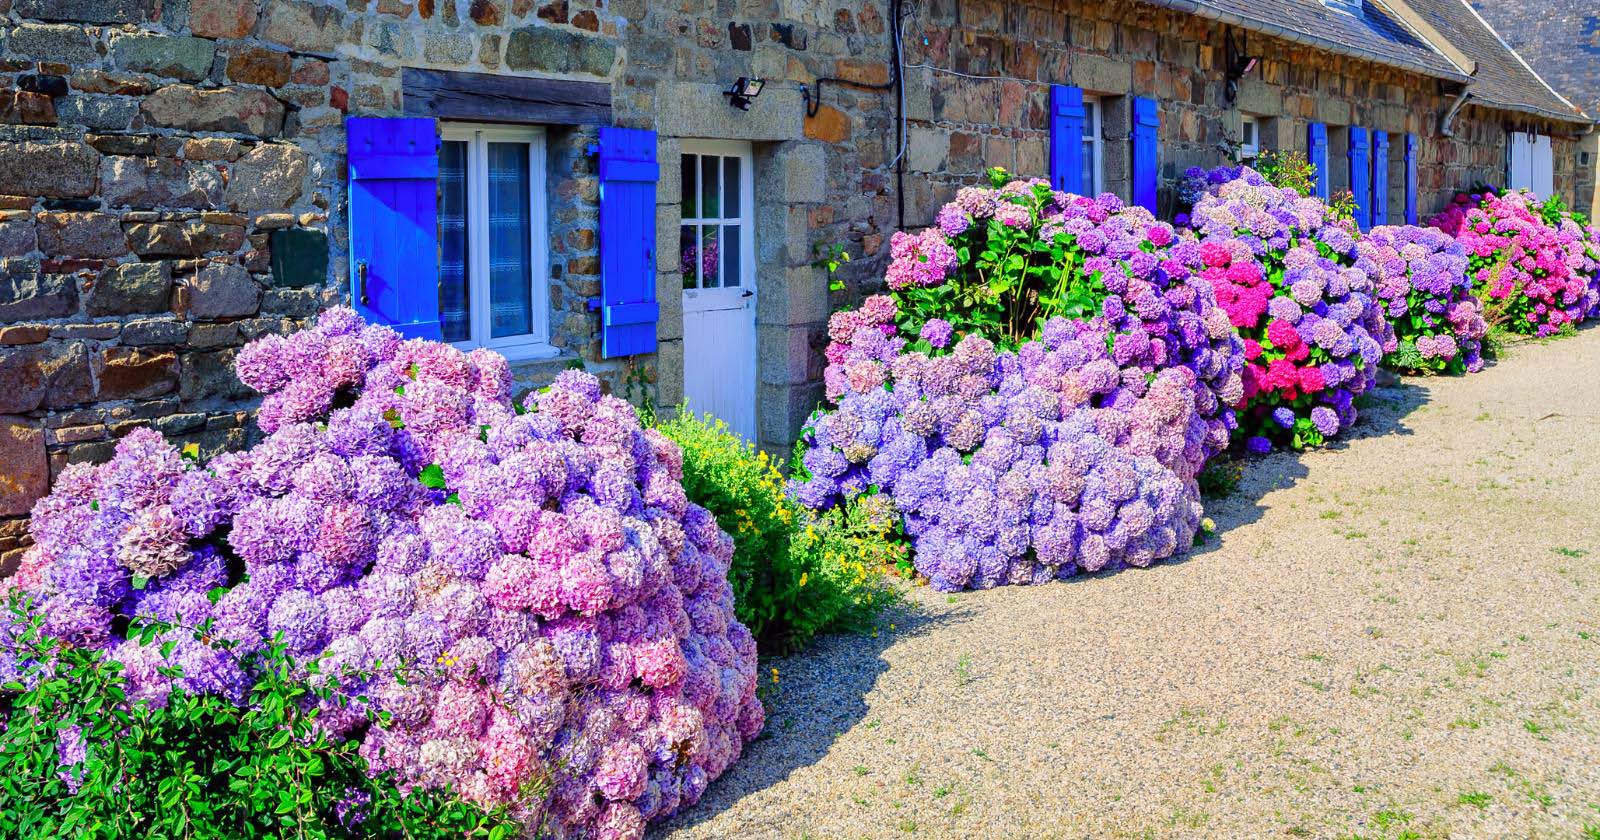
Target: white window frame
<point>746,220</point>
<point>536,343</point>
<point>1249,147</point>
<point>1094,144</point>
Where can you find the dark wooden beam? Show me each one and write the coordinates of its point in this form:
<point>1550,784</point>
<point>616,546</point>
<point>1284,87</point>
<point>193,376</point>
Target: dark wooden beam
<point>485,97</point>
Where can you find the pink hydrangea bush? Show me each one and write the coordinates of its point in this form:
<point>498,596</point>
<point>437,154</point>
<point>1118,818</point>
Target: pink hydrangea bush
<point>524,590</point>
<point>1284,271</point>
<point>1421,281</point>
<point>1534,277</point>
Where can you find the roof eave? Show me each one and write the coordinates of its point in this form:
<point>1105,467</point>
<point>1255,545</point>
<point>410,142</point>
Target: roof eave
<point>1575,118</point>
<point>1193,7</point>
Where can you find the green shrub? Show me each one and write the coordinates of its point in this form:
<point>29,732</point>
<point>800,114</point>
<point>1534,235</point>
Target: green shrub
<point>794,575</point>
<point>77,759</point>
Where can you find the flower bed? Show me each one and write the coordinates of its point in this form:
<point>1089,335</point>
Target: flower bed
<point>523,590</point>
<point>1421,281</point>
<point>1003,261</point>
<point>1534,275</point>
<point>1285,273</point>
<point>1000,462</point>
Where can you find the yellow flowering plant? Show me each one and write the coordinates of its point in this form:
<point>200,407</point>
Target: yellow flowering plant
<point>794,574</point>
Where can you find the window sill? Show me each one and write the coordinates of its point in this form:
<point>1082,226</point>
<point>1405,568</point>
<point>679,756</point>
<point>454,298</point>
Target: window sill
<point>514,353</point>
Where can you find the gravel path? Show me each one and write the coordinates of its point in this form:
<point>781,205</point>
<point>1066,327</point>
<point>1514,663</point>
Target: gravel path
<point>1396,637</point>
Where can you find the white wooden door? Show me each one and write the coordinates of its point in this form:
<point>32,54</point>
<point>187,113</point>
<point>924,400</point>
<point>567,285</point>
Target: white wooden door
<point>717,258</point>
<point>1521,167</point>
<point>1544,173</point>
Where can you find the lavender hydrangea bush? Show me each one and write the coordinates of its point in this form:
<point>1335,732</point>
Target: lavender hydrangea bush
<point>524,591</point>
<point>1285,271</point>
<point>1421,281</point>
<point>1011,467</point>
<point>1003,261</point>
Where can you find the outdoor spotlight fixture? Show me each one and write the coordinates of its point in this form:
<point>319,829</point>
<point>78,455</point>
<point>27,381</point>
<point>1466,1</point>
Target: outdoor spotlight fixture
<point>1239,64</point>
<point>744,91</point>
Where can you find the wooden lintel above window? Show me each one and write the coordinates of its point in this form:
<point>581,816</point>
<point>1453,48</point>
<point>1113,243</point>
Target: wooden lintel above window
<point>486,97</point>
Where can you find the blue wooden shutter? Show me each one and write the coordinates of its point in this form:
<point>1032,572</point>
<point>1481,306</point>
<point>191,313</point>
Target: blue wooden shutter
<point>1361,176</point>
<point>1317,154</point>
<point>628,176</point>
<point>1411,179</point>
<point>1066,138</point>
<point>1380,177</point>
<point>1146,152</point>
<point>394,228</point>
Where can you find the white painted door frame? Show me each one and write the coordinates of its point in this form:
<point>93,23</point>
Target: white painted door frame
<point>719,328</point>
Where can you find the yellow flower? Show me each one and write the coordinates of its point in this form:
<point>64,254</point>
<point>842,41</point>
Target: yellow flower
<point>803,577</point>
<point>774,674</point>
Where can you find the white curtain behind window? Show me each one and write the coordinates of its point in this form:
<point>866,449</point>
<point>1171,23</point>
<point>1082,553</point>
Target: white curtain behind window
<point>1544,172</point>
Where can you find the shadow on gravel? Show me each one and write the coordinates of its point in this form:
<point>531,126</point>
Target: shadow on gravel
<point>1382,413</point>
<point>823,694</point>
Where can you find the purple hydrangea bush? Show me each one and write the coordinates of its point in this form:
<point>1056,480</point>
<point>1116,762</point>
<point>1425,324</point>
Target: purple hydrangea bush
<point>1421,281</point>
<point>1285,271</point>
<point>523,590</point>
<point>1003,261</point>
<point>1011,466</point>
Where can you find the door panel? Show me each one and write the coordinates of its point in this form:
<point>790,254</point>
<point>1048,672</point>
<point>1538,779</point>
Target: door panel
<point>719,283</point>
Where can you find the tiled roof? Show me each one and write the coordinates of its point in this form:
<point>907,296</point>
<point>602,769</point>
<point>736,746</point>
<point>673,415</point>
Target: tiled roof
<point>1345,27</point>
<point>1560,38</point>
<point>1368,30</point>
<point>1503,79</point>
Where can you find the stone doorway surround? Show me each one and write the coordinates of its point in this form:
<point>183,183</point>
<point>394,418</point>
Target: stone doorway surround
<point>792,306</point>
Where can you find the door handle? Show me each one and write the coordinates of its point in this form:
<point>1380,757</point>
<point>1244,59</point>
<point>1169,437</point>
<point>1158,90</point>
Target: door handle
<point>361,277</point>
<point>747,293</point>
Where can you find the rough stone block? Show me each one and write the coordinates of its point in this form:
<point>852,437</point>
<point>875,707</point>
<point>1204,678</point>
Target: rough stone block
<point>17,236</point>
<point>154,331</point>
<point>173,56</point>
<point>230,109</point>
<point>691,109</point>
<point>785,354</point>
<point>83,235</point>
<point>1097,73</point>
<point>257,66</point>
<point>220,291</point>
<point>270,177</point>
<point>159,182</point>
<point>26,293</point>
<point>797,295</point>
<point>803,171</point>
<point>51,170</point>
<point>129,373</point>
<point>52,42</point>
<point>131,288</point>
<point>85,11</point>
<point>19,107</point>
<point>97,113</point>
<point>209,375</point>
<point>24,469</point>
<point>552,50</point>
<point>222,18</point>
<point>183,239</point>
<point>301,25</point>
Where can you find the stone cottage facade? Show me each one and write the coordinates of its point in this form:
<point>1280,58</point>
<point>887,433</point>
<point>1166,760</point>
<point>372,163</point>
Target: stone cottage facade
<point>178,177</point>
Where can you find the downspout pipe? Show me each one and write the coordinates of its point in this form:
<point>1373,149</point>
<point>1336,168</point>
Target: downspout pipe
<point>1447,123</point>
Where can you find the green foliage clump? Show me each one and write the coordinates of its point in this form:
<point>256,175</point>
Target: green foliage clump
<point>1287,170</point>
<point>794,575</point>
<point>79,759</point>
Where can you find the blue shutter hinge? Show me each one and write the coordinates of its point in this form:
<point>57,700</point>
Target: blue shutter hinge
<point>594,304</point>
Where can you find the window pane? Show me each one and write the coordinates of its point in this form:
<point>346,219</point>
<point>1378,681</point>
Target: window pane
<point>709,205</point>
<point>453,300</point>
<point>689,257</point>
<point>691,194</point>
<point>1089,118</point>
<point>730,187</point>
<point>1089,169</point>
<point>731,256</point>
<point>510,241</point>
<point>709,258</point>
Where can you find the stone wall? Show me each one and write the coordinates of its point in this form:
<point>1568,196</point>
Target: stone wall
<point>987,104</point>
